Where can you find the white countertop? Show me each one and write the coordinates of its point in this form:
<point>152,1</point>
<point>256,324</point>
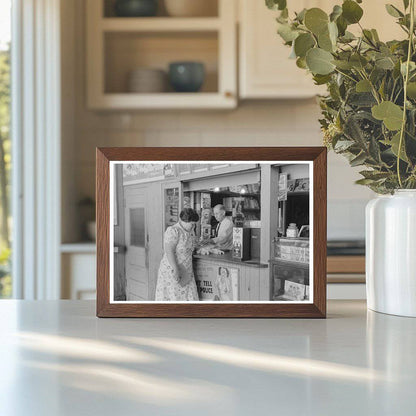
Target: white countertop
<point>58,359</point>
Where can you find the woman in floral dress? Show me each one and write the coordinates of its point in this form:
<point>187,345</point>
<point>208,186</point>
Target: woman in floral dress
<point>175,280</point>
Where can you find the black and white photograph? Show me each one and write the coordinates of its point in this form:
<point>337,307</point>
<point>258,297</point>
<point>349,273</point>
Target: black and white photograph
<point>211,232</point>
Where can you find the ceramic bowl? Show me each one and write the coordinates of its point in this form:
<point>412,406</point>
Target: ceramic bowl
<point>135,8</point>
<point>147,80</point>
<point>186,76</point>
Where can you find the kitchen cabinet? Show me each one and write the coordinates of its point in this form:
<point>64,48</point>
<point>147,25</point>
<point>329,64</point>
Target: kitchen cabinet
<point>118,45</point>
<point>78,271</point>
<point>265,70</point>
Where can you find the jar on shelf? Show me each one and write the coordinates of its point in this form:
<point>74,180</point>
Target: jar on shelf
<point>292,231</point>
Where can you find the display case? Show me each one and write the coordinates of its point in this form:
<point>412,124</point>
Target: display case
<point>290,280</point>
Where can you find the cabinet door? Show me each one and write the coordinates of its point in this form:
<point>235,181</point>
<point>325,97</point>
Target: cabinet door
<point>265,68</point>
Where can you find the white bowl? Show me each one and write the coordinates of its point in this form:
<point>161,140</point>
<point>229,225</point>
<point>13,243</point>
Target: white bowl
<point>145,80</point>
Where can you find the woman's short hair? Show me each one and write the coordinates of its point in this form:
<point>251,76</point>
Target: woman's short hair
<point>221,268</point>
<point>189,215</point>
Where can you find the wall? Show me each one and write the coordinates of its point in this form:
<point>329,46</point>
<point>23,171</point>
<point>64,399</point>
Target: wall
<point>256,123</point>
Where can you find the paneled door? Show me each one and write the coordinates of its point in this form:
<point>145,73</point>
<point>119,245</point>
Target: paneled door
<point>137,245</point>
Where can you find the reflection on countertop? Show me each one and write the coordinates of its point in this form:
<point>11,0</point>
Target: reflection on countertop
<point>356,362</point>
<point>228,258</point>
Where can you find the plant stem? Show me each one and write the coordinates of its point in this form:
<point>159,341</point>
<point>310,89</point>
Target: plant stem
<point>373,90</point>
<point>345,75</point>
<point>406,79</point>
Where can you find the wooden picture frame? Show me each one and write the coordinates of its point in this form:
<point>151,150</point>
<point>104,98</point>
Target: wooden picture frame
<point>316,157</point>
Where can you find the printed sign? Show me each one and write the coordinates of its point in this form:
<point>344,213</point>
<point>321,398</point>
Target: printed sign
<point>205,277</point>
<point>146,172</point>
<point>216,283</point>
<point>282,191</point>
<point>171,206</point>
<point>227,284</point>
<point>294,291</point>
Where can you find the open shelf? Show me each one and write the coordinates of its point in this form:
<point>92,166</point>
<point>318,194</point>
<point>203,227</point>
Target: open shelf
<point>116,46</point>
<point>164,101</point>
<point>211,9</point>
<point>127,51</point>
<point>160,24</point>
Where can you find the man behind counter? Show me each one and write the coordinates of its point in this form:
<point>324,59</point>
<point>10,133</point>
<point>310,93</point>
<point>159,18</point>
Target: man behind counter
<point>223,239</point>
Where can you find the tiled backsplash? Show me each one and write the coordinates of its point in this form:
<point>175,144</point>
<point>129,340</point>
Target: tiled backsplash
<point>288,123</point>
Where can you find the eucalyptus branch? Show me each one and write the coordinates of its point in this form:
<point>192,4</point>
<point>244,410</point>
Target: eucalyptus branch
<point>373,89</point>
<point>381,118</point>
<point>406,80</point>
<point>392,90</point>
<point>345,75</point>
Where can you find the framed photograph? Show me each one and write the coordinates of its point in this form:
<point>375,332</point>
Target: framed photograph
<point>205,232</point>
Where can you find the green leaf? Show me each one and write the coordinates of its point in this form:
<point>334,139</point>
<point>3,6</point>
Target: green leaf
<point>375,35</point>
<point>321,79</point>
<point>374,150</point>
<point>406,4</point>
<point>319,61</point>
<point>411,90</point>
<point>394,145</point>
<point>390,113</point>
<point>351,11</point>
<point>284,13</point>
<point>393,11</point>
<point>385,63</point>
<point>358,61</point>
<point>316,20</point>
<point>276,4</point>
<point>333,32</point>
<point>303,43</point>
<point>342,25</point>
<point>412,67</point>
<point>327,40</point>
<point>363,86</point>
<point>368,36</point>
<point>374,175</point>
<point>347,37</point>
<point>343,145</point>
<point>336,12</point>
<point>361,99</point>
<point>341,64</point>
<point>300,17</point>
<point>286,32</point>
<point>325,43</point>
<point>364,181</point>
<point>301,63</point>
<point>358,160</point>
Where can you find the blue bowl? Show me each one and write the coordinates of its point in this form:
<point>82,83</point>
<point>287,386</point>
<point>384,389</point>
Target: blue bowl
<point>186,76</point>
<point>136,8</point>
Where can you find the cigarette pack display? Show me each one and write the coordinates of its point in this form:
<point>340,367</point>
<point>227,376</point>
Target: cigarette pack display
<point>291,249</point>
<point>241,243</point>
<point>205,200</point>
<point>205,232</point>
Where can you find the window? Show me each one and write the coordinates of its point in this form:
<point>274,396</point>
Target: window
<point>137,227</point>
<point>5,159</point>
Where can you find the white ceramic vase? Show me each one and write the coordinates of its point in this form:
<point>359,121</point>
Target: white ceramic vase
<point>391,253</point>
